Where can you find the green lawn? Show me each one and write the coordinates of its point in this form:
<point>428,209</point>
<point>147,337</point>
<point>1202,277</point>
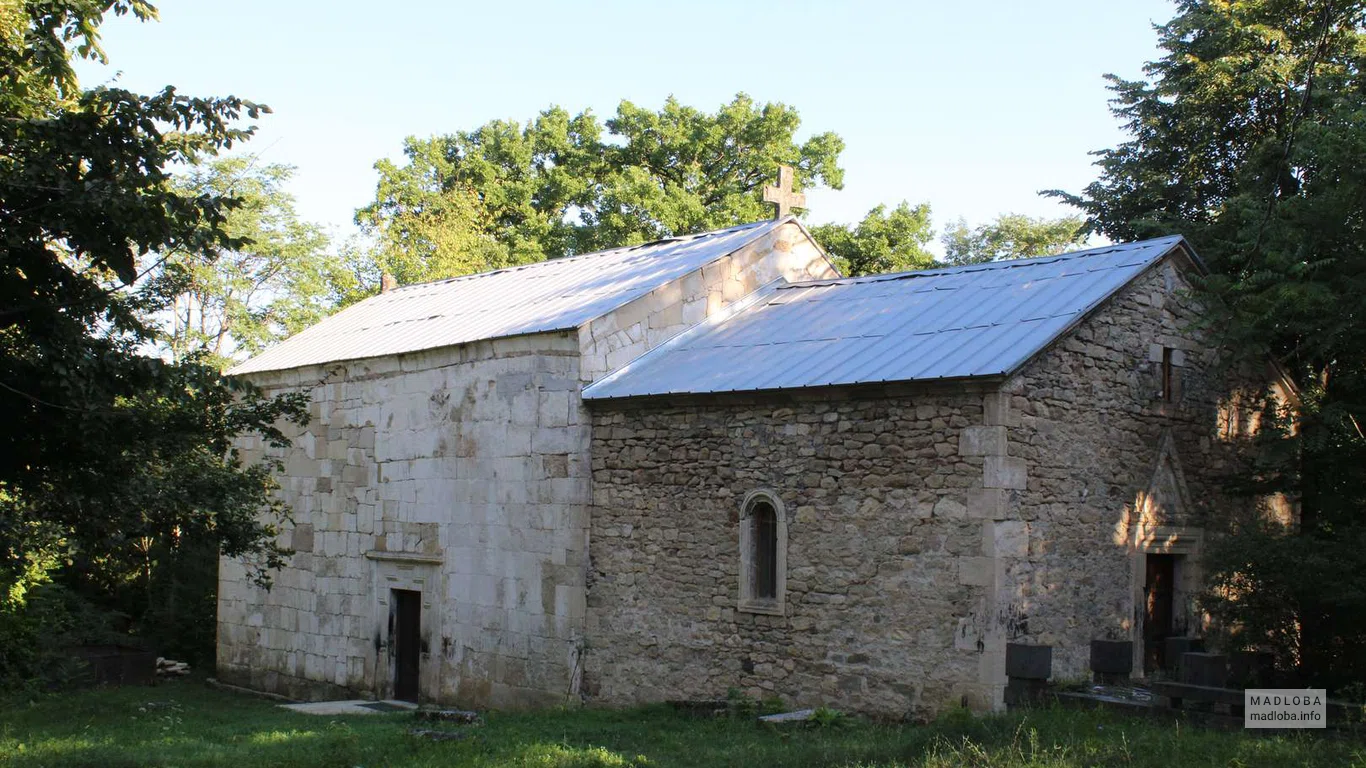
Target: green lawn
<point>185,723</point>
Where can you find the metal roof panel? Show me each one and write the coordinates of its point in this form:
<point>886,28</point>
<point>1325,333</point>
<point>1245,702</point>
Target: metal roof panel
<point>957,322</point>
<point>554,295</point>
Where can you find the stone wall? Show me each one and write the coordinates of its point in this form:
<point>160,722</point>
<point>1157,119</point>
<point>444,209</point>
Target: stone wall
<point>880,545</point>
<point>459,472</point>
<point>1115,472</point>
<point>633,329</point>
<point>926,529</point>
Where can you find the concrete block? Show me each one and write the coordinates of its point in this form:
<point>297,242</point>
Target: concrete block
<point>1004,472</point>
<point>982,441</point>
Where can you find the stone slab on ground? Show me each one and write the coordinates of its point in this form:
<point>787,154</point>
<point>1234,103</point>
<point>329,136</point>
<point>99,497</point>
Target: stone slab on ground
<point>424,733</point>
<point>799,716</point>
<point>449,715</point>
<point>350,707</point>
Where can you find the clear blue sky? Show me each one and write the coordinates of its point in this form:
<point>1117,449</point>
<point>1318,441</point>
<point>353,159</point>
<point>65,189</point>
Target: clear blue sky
<point>970,106</point>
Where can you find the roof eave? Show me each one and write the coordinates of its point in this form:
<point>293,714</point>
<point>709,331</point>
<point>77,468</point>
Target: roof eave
<point>990,380</point>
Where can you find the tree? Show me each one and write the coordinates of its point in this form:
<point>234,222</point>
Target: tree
<point>510,193</point>
<point>1247,137</point>
<point>227,302</point>
<point>883,242</point>
<point>111,460</point>
<point>1012,236</point>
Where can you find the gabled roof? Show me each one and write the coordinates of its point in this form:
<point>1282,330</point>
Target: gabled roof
<point>554,295</point>
<point>955,323</point>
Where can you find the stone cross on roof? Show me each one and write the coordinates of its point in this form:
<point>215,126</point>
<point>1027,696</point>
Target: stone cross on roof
<point>782,195</point>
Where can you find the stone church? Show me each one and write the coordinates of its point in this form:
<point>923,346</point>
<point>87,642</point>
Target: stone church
<point>710,462</point>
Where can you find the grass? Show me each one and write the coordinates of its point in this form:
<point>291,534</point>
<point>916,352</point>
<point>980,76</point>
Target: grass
<point>185,723</point>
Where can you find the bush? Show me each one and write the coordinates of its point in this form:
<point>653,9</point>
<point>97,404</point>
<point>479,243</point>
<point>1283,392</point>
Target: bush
<point>35,633</point>
<point>1298,594</point>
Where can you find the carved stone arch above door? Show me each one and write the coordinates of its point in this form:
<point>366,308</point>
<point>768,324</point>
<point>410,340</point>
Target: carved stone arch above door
<point>1166,501</point>
<point>1162,535</point>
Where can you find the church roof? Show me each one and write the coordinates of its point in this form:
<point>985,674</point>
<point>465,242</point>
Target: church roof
<point>954,323</point>
<point>554,295</point>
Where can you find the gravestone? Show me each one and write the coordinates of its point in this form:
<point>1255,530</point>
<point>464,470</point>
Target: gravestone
<point>1175,647</point>
<point>1028,668</point>
<point>1207,669</point>
<point>1112,660</point>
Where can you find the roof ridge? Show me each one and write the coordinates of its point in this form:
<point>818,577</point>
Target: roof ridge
<point>591,254</point>
<point>986,266</point>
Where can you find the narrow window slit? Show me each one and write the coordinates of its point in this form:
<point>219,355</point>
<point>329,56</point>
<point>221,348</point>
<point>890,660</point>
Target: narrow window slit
<point>1167,394</point>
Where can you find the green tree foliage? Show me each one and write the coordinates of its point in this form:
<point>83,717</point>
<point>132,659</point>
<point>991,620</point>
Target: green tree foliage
<point>112,461</point>
<point>510,193</point>
<point>230,302</point>
<point>885,241</point>
<point>1012,236</point>
<point>1248,136</point>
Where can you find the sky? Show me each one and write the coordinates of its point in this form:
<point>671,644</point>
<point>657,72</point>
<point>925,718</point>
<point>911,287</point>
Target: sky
<point>972,107</point>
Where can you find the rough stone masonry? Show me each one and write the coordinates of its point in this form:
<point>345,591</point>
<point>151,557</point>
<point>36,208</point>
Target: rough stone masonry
<point>926,525</point>
<point>562,547</point>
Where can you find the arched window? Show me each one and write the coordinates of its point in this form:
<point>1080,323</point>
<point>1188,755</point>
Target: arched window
<point>764,522</point>
<point>763,553</point>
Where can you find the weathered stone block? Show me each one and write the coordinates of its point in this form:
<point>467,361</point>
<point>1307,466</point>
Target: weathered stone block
<point>302,538</point>
<point>996,409</point>
<point>1004,472</point>
<point>947,507</point>
<point>986,503</point>
<point>1032,662</point>
<point>976,571</point>
<point>982,441</point>
<point>554,409</point>
<point>1010,539</point>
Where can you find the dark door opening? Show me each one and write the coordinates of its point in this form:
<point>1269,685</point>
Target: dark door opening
<point>405,626</point>
<point>1159,583</point>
